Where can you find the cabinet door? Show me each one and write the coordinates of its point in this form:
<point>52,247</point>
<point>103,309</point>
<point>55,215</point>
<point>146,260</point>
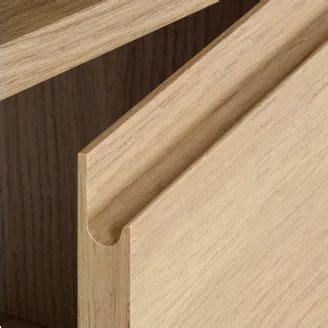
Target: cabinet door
<point>205,205</point>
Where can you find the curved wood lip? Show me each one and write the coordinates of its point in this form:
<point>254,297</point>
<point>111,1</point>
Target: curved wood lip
<point>97,234</point>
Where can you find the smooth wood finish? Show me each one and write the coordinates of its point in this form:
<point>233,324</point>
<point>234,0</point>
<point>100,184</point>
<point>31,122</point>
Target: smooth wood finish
<point>46,126</point>
<point>77,38</point>
<point>132,162</point>
<point>138,251</point>
<point>21,17</point>
<point>240,240</point>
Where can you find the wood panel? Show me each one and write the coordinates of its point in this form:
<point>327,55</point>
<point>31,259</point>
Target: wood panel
<point>80,37</point>
<point>129,168</point>
<point>46,126</point>
<point>21,17</point>
<point>248,246</point>
<point>166,132</point>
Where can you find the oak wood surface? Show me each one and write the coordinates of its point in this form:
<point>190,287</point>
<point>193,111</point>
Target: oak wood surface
<point>20,17</point>
<point>127,172</point>
<point>46,126</point>
<point>240,239</point>
<point>16,323</point>
<point>77,38</point>
<point>132,162</point>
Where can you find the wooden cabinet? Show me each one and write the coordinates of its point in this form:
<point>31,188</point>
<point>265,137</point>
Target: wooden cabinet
<point>205,204</point>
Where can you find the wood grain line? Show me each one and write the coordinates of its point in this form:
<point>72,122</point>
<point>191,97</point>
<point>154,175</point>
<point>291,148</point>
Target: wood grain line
<point>20,17</point>
<point>133,167</point>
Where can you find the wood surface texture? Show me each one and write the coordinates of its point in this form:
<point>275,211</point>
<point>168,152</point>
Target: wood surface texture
<point>240,240</point>
<point>21,17</point>
<point>150,255</point>
<point>79,37</point>
<point>172,127</point>
<point>16,323</point>
<point>43,130</point>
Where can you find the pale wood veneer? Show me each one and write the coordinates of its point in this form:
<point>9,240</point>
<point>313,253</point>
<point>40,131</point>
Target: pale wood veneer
<point>79,34</point>
<point>150,242</point>
<point>240,240</point>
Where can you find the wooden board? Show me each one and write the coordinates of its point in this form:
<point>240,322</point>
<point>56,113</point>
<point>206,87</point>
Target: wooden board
<point>126,169</point>
<point>21,17</point>
<point>46,126</point>
<point>240,240</point>
<point>167,131</point>
<point>79,37</point>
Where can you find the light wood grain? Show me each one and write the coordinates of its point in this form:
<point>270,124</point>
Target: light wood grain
<point>128,169</point>
<point>133,161</point>
<point>82,36</point>
<point>20,17</point>
<point>45,127</point>
<point>240,240</point>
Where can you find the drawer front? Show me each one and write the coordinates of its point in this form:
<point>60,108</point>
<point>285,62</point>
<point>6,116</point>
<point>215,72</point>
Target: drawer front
<point>179,221</point>
<point>240,239</point>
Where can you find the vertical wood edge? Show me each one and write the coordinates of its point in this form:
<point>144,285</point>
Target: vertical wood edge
<point>103,271</point>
